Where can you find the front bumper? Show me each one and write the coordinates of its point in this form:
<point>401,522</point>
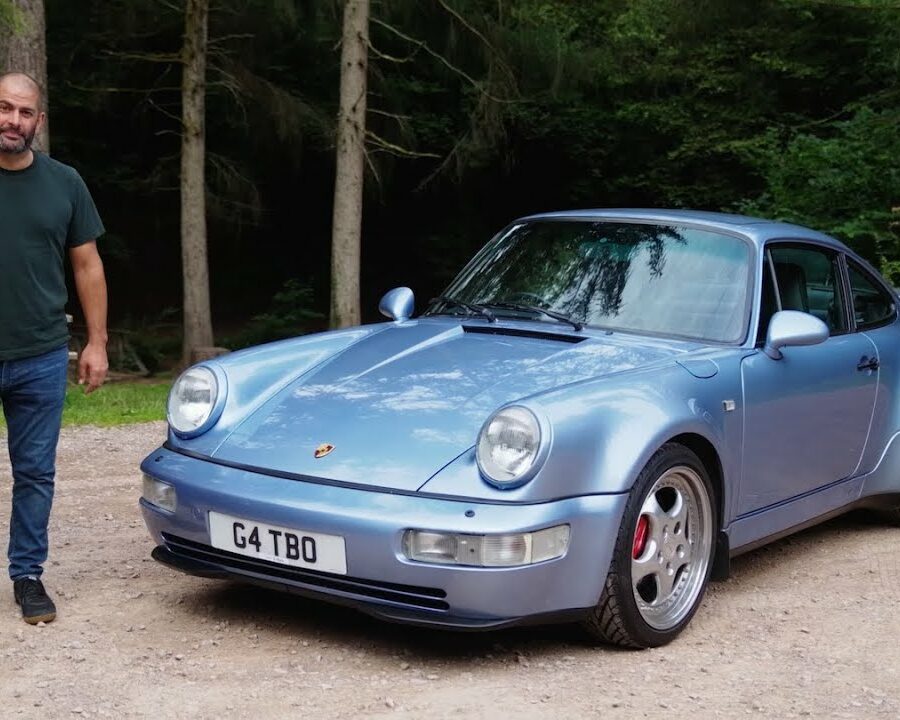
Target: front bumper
<point>379,579</point>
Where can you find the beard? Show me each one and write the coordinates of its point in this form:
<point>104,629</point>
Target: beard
<point>18,146</point>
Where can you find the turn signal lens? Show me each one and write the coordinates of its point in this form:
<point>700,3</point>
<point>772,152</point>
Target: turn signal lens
<point>550,543</point>
<point>431,547</point>
<point>506,550</point>
<point>160,494</point>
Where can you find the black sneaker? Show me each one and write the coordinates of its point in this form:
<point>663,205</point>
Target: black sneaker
<point>36,604</point>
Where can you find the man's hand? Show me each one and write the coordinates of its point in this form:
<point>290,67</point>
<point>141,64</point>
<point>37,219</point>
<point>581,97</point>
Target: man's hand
<point>90,282</point>
<point>92,367</point>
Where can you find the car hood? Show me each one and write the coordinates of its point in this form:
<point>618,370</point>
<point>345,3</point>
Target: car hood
<point>402,403</point>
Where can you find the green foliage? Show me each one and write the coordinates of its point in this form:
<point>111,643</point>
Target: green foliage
<point>781,107</point>
<point>290,314</point>
<point>156,348</point>
<point>10,19</point>
<point>115,404</point>
<point>843,179</point>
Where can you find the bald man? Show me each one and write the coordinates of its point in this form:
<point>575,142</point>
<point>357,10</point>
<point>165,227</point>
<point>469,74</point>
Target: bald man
<point>46,213</point>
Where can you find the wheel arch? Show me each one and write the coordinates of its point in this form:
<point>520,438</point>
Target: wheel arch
<point>621,617</point>
<point>709,456</point>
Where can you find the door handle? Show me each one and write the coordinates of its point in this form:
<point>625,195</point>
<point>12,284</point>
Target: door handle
<point>867,363</point>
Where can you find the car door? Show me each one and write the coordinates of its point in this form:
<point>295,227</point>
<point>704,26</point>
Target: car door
<point>807,415</point>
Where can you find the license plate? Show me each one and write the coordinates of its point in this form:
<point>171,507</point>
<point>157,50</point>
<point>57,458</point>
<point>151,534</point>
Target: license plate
<point>287,546</point>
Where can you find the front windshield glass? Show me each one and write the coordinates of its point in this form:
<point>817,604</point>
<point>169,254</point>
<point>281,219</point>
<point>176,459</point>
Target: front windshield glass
<point>656,279</point>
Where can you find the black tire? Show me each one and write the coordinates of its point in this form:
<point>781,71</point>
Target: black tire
<point>627,614</point>
<point>889,515</point>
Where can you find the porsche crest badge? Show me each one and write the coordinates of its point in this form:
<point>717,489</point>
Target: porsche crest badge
<point>323,450</point>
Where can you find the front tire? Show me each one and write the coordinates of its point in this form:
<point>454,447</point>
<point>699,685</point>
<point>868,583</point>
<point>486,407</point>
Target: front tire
<point>663,554</point>
<point>890,515</point>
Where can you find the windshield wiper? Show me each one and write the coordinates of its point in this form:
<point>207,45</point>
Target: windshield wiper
<point>471,307</point>
<point>578,325</point>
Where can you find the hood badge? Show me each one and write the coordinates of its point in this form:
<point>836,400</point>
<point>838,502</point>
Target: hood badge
<point>323,450</point>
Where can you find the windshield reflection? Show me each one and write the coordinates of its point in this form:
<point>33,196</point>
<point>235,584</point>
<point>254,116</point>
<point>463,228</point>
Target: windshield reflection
<point>657,279</point>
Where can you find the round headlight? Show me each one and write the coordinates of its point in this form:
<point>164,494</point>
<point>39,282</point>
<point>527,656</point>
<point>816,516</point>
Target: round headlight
<point>508,446</point>
<point>192,400</point>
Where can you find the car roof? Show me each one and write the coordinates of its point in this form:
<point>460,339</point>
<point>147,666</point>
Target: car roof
<point>757,229</point>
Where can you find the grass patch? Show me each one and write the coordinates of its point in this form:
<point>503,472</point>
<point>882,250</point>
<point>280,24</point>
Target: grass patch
<point>118,403</point>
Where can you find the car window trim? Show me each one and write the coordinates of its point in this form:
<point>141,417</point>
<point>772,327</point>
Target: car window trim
<point>768,269</point>
<point>840,271</point>
<point>773,276</point>
<point>848,302</point>
<point>867,274</point>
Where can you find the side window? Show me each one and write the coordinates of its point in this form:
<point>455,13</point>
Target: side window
<point>872,306</point>
<point>807,280</point>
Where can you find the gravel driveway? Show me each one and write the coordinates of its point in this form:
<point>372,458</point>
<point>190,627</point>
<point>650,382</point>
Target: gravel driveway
<point>808,627</point>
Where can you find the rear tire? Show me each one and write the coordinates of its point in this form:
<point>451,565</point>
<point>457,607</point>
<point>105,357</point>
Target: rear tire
<point>663,555</point>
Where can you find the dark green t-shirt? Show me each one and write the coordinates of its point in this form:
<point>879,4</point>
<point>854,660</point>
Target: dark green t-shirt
<point>45,209</point>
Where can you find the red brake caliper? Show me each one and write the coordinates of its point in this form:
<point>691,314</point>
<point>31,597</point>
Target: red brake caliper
<point>640,537</point>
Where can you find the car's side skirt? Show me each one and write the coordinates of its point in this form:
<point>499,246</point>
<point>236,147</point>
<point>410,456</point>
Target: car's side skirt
<point>879,488</point>
<point>762,526</point>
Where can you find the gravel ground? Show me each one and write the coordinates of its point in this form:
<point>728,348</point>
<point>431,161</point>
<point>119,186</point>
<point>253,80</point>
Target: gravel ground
<point>807,627</point>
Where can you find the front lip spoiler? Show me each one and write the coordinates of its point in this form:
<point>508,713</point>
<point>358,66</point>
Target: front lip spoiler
<point>187,565</point>
<point>191,566</point>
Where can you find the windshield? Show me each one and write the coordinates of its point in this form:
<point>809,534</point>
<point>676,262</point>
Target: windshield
<point>656,279</point>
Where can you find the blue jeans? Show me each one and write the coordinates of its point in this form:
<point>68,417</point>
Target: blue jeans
<point>32,391</point>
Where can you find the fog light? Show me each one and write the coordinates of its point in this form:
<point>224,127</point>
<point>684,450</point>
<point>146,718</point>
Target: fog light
<point>160,494</point>
<point>507,550</point>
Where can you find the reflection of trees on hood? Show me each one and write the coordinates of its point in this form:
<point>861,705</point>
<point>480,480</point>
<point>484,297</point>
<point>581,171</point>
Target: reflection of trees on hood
<point>578,268</point>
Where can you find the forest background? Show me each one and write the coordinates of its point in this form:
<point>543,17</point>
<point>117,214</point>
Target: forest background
<point>479,111</point>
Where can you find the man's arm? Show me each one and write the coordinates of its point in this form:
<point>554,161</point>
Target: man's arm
<point>90,282</point>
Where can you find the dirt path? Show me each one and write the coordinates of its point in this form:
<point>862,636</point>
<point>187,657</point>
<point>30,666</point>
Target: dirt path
<point>809,627</point>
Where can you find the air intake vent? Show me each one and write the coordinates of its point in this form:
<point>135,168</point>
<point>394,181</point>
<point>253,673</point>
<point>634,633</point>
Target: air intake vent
<point>420,598</point>
<point>517,332</point>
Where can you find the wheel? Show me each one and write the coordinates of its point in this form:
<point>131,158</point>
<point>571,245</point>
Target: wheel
<point>663,554</point>
<point>889,515</point>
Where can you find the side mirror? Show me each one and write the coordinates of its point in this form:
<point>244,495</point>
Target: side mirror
<point>790,328</point>
<point>398,304</point>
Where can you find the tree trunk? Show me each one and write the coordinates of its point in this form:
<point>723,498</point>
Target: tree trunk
<point>25,50</point>
<point>348,184</point>
<point>195,268</point>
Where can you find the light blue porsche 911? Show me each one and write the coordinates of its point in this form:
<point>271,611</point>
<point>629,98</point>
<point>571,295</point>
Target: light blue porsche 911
<point>599,412</point>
